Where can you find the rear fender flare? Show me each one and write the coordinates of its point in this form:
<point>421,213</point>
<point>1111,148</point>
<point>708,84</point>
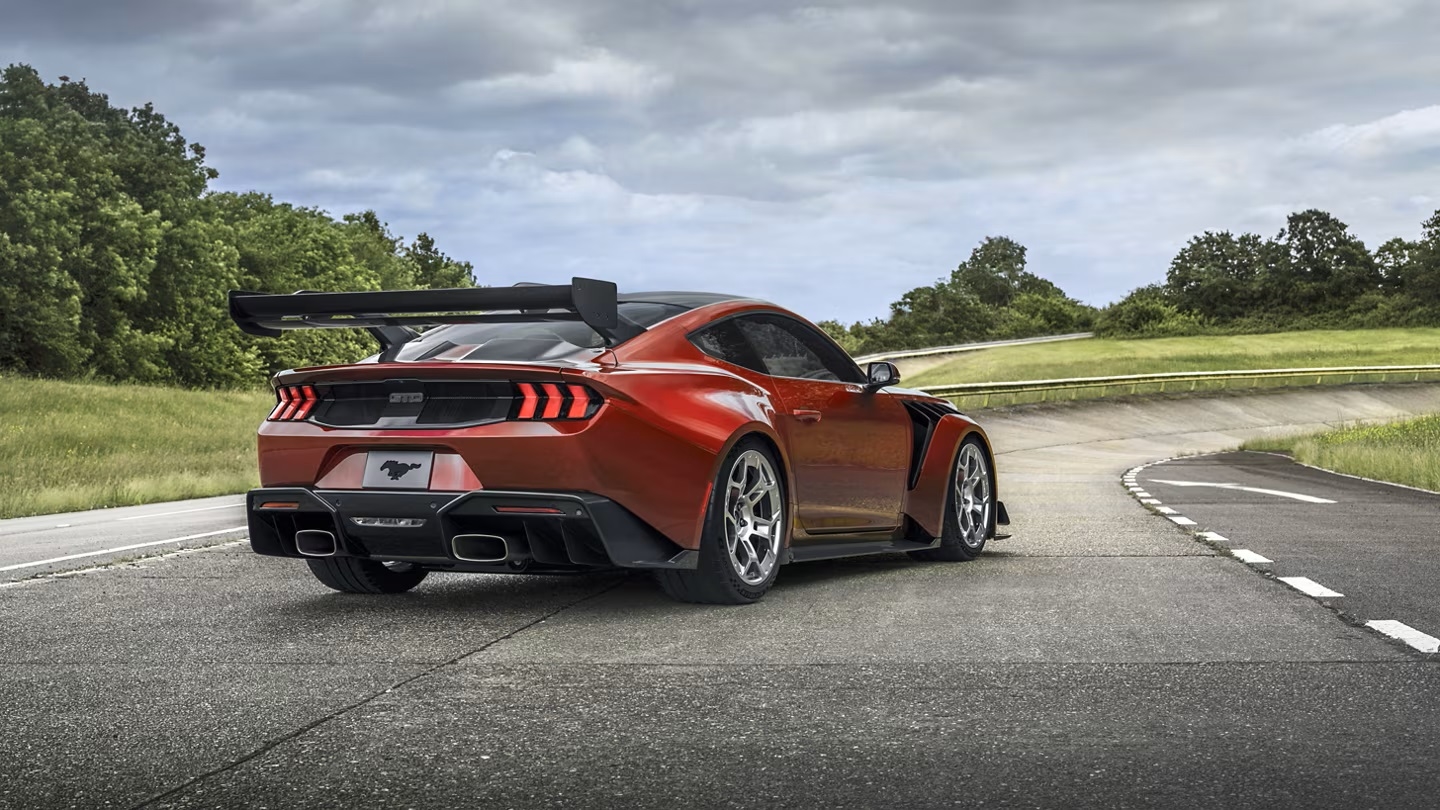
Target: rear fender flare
<point>767,433</point>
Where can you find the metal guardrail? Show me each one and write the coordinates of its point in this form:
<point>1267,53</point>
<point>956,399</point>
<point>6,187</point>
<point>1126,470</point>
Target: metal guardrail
<point>1176,379</point>
<point>969,347</point>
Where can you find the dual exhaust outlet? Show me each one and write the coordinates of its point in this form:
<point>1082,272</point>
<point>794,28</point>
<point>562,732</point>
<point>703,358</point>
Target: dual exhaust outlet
<point>481,548</point>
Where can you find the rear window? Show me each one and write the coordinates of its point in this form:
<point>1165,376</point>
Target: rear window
<point>524,340</point>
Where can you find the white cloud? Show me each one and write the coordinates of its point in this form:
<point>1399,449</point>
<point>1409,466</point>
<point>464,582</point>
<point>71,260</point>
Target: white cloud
<point>597,75</point>
<point>1405,131</point>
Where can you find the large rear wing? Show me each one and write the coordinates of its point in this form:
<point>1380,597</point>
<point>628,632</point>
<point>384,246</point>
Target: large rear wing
<point>388,314</point>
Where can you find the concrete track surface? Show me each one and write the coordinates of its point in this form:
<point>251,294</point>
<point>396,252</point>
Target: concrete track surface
<point>1101,657</point>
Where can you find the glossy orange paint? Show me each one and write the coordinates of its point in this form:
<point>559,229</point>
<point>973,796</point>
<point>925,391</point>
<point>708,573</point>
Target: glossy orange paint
<point>670,415</point>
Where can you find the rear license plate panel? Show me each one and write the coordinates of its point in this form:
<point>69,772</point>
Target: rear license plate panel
<point>398,469</point>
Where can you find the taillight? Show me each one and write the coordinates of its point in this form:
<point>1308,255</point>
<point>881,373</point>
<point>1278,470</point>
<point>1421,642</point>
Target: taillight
<point>293,403</point>
<point>553,402</point>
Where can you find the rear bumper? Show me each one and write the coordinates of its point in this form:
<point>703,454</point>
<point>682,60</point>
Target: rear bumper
<point>543,532</point>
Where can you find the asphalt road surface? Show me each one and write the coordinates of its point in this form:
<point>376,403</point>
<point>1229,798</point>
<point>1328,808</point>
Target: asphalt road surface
<point>49,543</point>
<point>1376,545</point>
<point>1101,657</point>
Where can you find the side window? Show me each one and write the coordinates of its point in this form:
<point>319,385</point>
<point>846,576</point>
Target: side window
<point>782,351</point>
<point>723,341</point>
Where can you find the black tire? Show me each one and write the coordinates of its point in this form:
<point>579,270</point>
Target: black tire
<point>960,543</point>
<point>354,575</point>
<point>717,579</point>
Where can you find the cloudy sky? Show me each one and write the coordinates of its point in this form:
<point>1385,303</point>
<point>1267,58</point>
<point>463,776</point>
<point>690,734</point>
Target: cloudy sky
<point>827,156</point>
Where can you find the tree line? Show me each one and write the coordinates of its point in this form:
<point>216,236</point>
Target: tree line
<point>989,296</point>
<point>115,255</point>
<point>1313,274</point>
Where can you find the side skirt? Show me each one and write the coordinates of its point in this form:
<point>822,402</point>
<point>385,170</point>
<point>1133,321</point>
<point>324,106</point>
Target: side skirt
<point>861,548</point>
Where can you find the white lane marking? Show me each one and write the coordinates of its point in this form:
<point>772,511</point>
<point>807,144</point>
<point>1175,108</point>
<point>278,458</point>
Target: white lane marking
<point>1399,630</point>
<point>1165,510</point>
<point>1310,587</point>
<point>1151,501</point>
<point>62,525</point>
<point>1245,555</point>
<point>183,511</point>
<point>1292,495</point>
<point>39,578</point>
<point>119,548</point>
<point>1139,494</point>
<point>1181,521</point>
<point>1215,538</point>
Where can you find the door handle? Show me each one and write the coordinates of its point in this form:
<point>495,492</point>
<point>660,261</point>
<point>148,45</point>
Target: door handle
<point>806,416</point>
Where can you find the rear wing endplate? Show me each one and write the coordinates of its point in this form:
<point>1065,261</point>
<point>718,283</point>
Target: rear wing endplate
<point>389,314</point>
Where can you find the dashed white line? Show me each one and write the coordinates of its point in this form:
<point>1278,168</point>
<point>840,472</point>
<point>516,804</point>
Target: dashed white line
<point>117,549</point>
<point>1215,538</point>
<point>1245,555</point>
<point>1151,501</point>
<point>1310,587</point>
<point>1399,630</point>
<point>1181,520</point>
<point>1139,494</point>
<point>1165,510</point>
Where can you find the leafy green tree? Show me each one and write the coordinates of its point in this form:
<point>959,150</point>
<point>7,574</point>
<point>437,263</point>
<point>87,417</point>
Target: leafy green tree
<point>1322,267</point>
<point>373,247</point>
<point>1420,276</point>
<point>1217,275</point>
<point>433,269</point>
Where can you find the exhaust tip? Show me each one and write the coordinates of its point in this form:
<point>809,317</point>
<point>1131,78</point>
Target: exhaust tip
<point>315,543</point>
<point>483,548</point>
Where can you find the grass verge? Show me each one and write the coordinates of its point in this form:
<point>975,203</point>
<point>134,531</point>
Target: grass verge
<point>72,446</point>
<point>1101,357</point>
<point>1405,452</point>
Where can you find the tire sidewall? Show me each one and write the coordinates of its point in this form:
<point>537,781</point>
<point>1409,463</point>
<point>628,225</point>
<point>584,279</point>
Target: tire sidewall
<point>953,536</point>
<point>713,554</point>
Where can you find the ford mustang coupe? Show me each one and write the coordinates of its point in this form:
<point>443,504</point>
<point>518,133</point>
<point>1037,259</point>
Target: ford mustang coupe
<point>560,429</point>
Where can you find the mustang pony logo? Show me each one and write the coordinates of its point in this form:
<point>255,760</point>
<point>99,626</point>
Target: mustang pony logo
<point>397,469</point>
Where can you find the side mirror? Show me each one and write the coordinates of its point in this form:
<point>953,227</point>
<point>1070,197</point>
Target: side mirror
<point>879,375</point>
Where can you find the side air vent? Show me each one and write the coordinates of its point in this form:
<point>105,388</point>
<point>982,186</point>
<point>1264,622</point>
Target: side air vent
<point>925,416</point>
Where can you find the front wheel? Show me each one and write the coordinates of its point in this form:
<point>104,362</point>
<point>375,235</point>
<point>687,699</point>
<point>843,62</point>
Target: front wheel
<point>969,507</point>
<point>353,575</point>
<point>744,533</point>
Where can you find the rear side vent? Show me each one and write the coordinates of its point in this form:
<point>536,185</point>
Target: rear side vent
<point>924,416</point>
<point>553,402</point>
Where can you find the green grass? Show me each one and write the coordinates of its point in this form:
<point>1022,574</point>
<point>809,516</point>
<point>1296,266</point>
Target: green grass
<point>71,446</point>
<point>1405,452</point>
<point>1100,357</point>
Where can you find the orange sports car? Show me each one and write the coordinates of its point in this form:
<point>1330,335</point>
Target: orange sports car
<point>566,428</point>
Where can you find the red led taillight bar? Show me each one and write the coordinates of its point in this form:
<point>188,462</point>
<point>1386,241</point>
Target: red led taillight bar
<point>553,402</point>
<point>295,402</point>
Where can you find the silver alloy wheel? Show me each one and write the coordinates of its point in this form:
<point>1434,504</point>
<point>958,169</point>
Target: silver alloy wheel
<point>754,517</point>
<point>972,495</point>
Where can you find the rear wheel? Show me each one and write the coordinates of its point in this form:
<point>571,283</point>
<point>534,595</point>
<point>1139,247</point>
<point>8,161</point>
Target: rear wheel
<point>969,507</point>
<point>744,533</point>
<point>354,575</point>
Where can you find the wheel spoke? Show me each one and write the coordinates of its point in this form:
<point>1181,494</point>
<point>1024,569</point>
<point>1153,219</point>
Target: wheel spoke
<point>754,517</point>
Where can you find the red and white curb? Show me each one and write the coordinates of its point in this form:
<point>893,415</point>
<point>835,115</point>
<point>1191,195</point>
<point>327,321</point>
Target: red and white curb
<point>1389,627</point>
